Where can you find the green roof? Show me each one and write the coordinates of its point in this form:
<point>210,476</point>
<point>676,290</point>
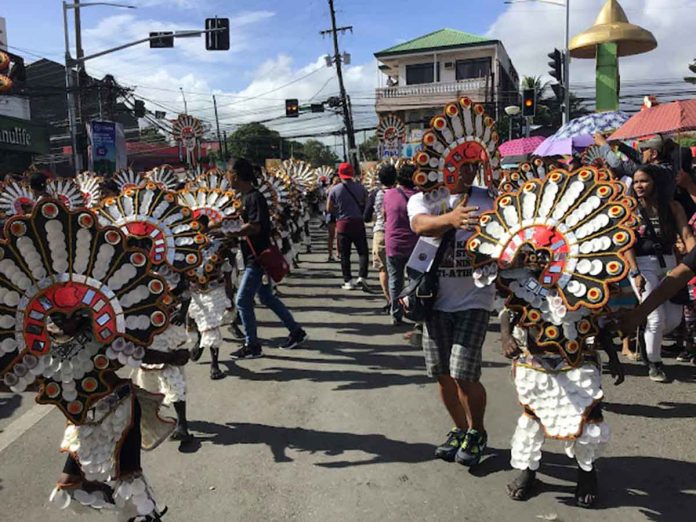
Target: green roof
<point>441,39</point>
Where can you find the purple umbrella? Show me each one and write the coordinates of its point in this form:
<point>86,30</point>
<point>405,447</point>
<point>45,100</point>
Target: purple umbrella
<point>553,146</point>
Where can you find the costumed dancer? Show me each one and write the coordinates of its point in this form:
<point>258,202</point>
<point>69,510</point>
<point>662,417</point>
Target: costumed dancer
<point>76,305</point>
<point>153,220</point>
<point>214,208</point>
<point>556,246</point>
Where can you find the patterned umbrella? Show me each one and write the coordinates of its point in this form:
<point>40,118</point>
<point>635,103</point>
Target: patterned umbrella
<point>592,123</point>
<point>553,146</point>
<point>520,147</point>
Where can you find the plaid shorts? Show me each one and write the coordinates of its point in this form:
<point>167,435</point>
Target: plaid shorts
<point>453,342</point>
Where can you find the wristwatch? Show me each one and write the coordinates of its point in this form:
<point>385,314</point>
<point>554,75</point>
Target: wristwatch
<point>634,273</point>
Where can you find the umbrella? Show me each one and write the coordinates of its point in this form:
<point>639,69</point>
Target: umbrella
<point>666,118</point>
<point>593,123</point>
<point>553,146</point>
<point>520,147</point>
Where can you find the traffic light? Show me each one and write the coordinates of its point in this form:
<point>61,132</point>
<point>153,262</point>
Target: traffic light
<point>162,40</point>
<point>139,108</point>
<point>218,40</point>
<point>528,102</point>
<point>292,108</point>
<point>556,65</point>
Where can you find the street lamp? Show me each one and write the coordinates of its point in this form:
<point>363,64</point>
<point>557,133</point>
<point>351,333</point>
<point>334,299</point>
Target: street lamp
<point>566,64</point>
<point>511,111</point>
<point>69,86</point>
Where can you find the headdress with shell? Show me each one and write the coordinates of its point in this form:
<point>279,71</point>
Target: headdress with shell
<point>90,186</point>
<point>60,261</point>
<point>67,191</point>
<point>164,177</point>
<point>152,214</point>
<point>212,179</point>
<point>513,179</point>
<point>556,245</point>
<point>301,173</point>
<point>217,204</point>
<point>127,178</point>
<point>462,134</point>
<point>324,173</point>
<point>13,196</point>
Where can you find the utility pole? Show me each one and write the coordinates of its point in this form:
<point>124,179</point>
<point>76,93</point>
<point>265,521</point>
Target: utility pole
<point>79,54</point>
<point>217,124</point>
<point>224,135</point>
<point>347,118</point>
<point>566,65</point>
<point>183,96</point>
<point>70,88</point>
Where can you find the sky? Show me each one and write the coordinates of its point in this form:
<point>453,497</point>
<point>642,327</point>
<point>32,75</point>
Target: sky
<point>278,53</point>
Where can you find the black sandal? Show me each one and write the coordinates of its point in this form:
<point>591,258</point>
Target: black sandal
<point>586,490</point>
<point>523,486</point>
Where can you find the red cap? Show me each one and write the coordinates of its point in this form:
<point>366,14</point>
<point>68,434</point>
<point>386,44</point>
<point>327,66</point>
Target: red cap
<point>345,171</point>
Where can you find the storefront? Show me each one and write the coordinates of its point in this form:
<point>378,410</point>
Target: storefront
<point>20,141</point>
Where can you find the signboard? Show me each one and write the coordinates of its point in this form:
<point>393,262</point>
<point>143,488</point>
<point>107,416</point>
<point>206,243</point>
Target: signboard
<point>23,136</point>
<point>391,133</point>
<point>102,150</point>
<point>414,143</point>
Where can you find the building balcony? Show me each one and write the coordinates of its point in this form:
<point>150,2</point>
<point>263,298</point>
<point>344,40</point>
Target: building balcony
<point>427,95</point>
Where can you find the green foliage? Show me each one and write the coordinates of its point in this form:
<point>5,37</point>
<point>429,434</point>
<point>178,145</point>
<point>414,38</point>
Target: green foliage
<point>318,154</point>
<point>368,148</point>
<point>152,134</point>
<point>257,143</point>
<point>692,68</point>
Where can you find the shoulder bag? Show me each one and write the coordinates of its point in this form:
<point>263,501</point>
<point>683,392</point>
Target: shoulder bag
<point>272,261</point>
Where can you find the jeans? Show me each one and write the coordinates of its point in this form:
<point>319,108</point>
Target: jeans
<point>250,285</point>
<point>395,268</point>
<point>665,317</point>
<point>353,234</point>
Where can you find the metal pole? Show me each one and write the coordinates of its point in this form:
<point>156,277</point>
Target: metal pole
<point>509,127</point>
<point>184,97</point>
<point>344,102</point>
<point>217,124</point>
<point>566,66</point>
<point>70,92</point>
<point>79,54</point>
<point>224,135</point>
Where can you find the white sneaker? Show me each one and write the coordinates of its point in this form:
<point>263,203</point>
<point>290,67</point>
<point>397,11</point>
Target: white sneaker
<point>348,285</point>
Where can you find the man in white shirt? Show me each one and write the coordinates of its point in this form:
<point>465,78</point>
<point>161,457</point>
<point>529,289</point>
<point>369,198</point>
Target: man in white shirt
<point>456,328</point>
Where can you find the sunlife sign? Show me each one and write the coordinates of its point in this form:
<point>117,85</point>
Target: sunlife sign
<point>22,135</point>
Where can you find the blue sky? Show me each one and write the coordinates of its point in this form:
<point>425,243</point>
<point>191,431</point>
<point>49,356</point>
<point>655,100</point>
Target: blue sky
<point>277,50</point>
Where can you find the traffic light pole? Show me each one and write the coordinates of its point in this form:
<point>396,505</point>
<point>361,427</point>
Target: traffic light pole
<point>347,118</point>
<point>566,66</point>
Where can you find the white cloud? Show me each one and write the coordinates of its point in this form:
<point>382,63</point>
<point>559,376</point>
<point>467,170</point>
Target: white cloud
<point>530,31</point>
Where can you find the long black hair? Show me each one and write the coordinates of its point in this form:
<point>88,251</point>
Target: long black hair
<point>662,197</point>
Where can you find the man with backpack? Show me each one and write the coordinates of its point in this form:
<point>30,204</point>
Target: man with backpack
<point>347,201</point>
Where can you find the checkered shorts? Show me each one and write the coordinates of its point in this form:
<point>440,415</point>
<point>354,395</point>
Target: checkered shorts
<point>452,343</point>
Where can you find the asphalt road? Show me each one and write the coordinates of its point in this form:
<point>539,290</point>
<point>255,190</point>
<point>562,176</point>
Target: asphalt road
<point>344,429</point>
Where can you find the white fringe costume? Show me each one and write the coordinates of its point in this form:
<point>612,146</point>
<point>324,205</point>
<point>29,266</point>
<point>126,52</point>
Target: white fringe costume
<point>166,379</point>
<point>208,309</point>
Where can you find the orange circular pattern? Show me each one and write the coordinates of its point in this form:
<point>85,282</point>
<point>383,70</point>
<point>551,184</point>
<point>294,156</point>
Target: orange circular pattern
<point>155,286</point>
<point>616,211</point>
<point>138,259</point>
<point>451,109</point>
<point>158,318</point>
<point>52,390</point>
<point>621,237</point>
<point>191,259</point>
<point>594,294</point>
<point>555,177</point>
<point>439,122</point>
<point>604,191</point>
<point>18,228</point>
<point>572,346</point>
<point>75,407</point>
<point>429,138</point>
<point>584,327</point>
<point>551,332</point>
<point>89,384</point>
<point>534,315</point>
<point>614,267</point>
<point>49,210</point>
<point>112,237</point>
<point>85,220</point>
<point>101,362</point>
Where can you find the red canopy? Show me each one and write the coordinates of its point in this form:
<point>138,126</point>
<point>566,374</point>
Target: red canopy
<point>666,118</point>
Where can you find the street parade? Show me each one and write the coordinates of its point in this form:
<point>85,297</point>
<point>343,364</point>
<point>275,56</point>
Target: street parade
<point>258,327</point>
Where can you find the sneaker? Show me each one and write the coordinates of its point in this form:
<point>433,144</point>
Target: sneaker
<point>656,372</point>
<point>236,332</point>
<point>295,339</point>
<point>473,446</point>
<point>362,284</point>
<point>248,351</point>
<point>348,285</point>
<point>686,356</point>
<point>331,259</point>
<point>448,449</point>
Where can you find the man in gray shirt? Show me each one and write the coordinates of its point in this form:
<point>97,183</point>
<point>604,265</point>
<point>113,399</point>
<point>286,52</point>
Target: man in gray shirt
<point>347,202</point>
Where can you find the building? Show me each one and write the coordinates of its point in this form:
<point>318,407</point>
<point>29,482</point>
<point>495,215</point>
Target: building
<point>424,74</point>
<point>100,100</point>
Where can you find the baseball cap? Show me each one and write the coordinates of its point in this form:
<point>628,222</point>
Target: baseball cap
<point>345,171</point>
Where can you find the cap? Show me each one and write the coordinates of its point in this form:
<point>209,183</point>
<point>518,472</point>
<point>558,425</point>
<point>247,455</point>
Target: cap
<point>654,142</point>
<point>345,171</point>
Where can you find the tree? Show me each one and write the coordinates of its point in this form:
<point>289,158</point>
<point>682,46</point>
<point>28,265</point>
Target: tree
<point>318,154</point>
<point>257,143</point>
<point>152,134</point>
<point>692,68</point>
<point>369,148</point>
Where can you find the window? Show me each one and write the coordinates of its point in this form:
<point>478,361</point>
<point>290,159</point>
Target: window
<point>476,68</point>
<point>421,73</point>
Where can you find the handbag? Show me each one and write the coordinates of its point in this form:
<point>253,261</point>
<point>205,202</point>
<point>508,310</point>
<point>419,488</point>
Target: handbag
<point>682,297</point>
<point>418,297</point>
<point>272,261</point>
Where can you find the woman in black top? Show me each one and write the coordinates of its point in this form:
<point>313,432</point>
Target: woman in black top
<point>662,221</point>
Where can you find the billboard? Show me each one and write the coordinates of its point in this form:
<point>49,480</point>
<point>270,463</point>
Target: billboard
<point>107,147</point>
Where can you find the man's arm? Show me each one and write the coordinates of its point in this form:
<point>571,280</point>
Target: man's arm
<point>436,226</point>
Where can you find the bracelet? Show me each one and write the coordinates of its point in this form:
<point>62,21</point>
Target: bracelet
<point>634,273</point>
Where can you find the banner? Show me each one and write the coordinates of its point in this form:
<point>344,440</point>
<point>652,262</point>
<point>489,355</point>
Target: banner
<point>22,136</point>
<point>102,149</point>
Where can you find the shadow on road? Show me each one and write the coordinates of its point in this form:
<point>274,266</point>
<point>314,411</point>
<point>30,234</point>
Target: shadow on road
<point>685,373</point>
<point>279,439</point>
<point>664,410</point>
<point>8,404</point>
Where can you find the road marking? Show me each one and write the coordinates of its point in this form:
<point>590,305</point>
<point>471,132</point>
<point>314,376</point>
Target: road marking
<point>20,426</point>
